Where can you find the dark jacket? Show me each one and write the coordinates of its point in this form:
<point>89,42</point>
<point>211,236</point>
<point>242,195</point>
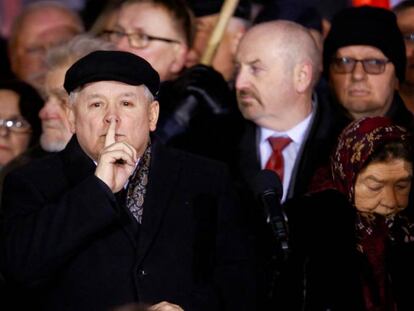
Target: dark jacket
<point>324,268</point>
<point>69,245</point>
<point>318,144</point>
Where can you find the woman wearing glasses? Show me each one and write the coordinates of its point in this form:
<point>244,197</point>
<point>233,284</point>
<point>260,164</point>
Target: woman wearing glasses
<point>19,122</point>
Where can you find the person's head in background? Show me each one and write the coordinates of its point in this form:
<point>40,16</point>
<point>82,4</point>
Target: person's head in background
<point>276,75</point>
<point>19,122</point>
<point>364,60</point>
<point>405,18</point>
<point>160,31</point>
<point>207,14</point>
<point>40,26</point>
<point>373,166</point>
<point>55,125</point>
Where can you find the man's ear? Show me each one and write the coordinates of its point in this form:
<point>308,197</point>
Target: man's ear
<point>303,75</point>
<point>180,59</point>
<point>397,84</point>
<point>153,112</point>
<point>70,113</point>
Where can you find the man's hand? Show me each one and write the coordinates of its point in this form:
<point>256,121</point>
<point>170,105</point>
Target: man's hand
<point>116,161</point>
<point>165,306</point>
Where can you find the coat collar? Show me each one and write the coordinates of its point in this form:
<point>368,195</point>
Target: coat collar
<point>77,164</point>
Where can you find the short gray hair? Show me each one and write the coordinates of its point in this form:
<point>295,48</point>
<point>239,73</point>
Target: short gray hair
<point>76,48</point>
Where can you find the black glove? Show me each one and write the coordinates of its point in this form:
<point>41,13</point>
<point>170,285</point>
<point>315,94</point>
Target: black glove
<point>207,85</point>
<point>199,90</point>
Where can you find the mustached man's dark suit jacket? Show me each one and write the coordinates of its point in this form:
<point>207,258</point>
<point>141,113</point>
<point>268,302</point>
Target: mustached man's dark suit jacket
<point>70,245</point>
<point>318,143</point>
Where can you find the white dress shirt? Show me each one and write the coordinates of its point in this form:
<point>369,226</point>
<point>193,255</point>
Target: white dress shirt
<point>297,134</point>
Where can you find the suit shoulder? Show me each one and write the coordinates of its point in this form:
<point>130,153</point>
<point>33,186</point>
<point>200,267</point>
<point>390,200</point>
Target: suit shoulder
<point>39,169</point>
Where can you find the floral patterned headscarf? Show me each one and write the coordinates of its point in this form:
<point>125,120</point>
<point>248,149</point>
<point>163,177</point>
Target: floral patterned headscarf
<point>357,142</point>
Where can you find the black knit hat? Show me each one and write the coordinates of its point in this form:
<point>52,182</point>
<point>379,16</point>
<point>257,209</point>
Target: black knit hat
<point>366,25</point>
<point>112,66</point>
<point>209,7</point>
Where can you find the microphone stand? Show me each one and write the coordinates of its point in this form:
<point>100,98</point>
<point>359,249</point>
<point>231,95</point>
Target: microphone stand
<point>280,253</point>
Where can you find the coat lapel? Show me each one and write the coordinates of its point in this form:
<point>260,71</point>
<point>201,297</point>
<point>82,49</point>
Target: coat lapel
<point>249,155</point>
<point>163,175</point>
<point>79,166</point>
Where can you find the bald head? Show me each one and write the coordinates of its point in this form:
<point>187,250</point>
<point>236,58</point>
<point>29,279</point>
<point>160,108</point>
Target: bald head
<point>278,65</point>
<point>287,40</point>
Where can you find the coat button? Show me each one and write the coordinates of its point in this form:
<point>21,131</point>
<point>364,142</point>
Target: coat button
<point>142,272</point>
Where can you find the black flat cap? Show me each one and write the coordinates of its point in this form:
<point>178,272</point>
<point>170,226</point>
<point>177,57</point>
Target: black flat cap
<point>112,66</point>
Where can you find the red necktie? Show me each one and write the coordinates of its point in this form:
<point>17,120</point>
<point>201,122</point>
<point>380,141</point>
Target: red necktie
<point>275,162</point>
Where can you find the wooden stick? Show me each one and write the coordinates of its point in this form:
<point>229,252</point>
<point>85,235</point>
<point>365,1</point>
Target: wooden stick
<point>226,12</point>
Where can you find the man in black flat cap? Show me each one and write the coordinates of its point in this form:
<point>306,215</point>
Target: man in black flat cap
<point>364,62</point>
<point>114,219</point>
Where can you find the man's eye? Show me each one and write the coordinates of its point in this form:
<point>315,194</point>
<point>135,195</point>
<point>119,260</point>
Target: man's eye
<point>237,69</point>
<point>373,61</point>
<point>345,60</point>
<point>402,186</point>
<point>62,100</point>
<point>126,104</point>
<point>254,69</point>
<point>95,105</point>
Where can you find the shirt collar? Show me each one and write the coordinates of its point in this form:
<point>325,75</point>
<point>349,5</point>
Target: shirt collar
<point>296,133</point>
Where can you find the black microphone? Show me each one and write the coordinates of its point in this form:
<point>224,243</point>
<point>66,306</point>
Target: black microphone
<point>268,189</point>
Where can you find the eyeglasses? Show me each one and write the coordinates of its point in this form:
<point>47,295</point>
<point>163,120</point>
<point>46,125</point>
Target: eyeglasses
<point>409,38</point>
<point>138,40</point>
<point>15,125</point>
<point>347,64</point>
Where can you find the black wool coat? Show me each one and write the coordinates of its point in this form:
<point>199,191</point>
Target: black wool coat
<point>69,244</point>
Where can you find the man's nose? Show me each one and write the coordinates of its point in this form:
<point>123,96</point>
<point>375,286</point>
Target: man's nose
<point>123,45</point>
<point>358,73</point>
<point>4,131</point>
<point>46,110</point>
<point>241,80</point>
<point>112,116</point>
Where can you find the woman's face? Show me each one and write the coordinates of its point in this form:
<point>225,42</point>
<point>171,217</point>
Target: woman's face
<point>13,141</point>
<point>383,187</point>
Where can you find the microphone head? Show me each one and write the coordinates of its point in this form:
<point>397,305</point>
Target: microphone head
<point>267,181</point>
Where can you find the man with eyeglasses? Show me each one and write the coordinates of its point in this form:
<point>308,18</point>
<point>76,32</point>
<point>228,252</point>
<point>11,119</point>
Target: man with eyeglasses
<point>364,62</point>
<point>164,43</point>
<point>40,26</point>
<point>405,19</point>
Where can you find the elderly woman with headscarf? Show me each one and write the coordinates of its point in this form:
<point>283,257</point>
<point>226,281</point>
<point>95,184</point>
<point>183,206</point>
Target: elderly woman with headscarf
<point>352,244</point>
